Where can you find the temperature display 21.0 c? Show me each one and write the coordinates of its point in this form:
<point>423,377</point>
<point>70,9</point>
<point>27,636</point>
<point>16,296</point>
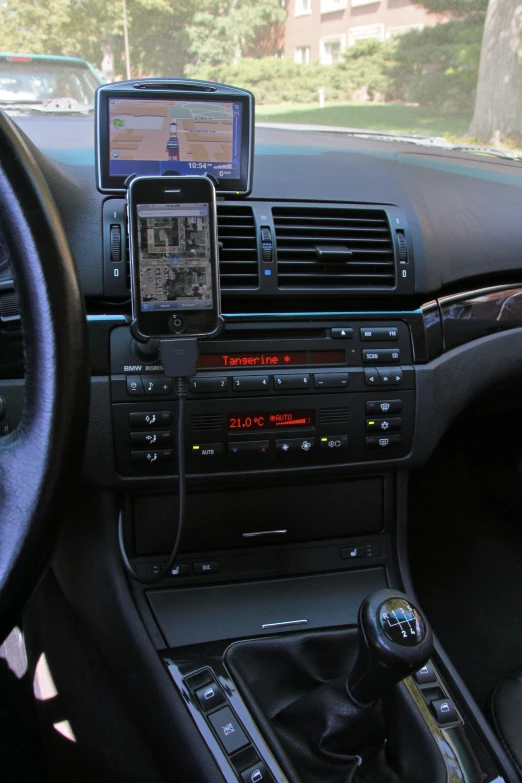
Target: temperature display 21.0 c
<point>270,420</point>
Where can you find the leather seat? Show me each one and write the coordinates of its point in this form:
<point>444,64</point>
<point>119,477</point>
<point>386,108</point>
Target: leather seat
<point>506,713</point>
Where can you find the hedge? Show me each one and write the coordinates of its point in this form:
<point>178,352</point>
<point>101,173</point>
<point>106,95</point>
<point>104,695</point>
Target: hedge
<point>436,67</point>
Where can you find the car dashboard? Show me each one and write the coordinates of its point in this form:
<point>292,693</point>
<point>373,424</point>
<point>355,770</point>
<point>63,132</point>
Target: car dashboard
<point>328,383</point>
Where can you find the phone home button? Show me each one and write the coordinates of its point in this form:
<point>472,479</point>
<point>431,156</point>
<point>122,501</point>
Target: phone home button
<point>177,323</point>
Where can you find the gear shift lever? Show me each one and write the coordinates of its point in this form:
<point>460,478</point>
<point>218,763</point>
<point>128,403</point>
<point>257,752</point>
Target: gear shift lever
<point>394,641</point>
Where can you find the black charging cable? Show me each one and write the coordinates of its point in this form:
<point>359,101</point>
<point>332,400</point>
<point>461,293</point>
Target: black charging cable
<point>179,358</point>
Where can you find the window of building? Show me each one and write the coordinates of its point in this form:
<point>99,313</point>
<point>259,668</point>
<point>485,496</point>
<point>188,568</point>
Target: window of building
<point>303,7</point>
<point>365,31</point>
<point>331,49</point>
<point>302,55</point>
<point>328,6</point>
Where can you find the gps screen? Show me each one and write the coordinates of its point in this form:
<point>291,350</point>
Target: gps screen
<point>155,137</point>
<point>174,259</point>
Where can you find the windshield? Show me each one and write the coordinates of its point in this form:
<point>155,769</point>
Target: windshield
<point>30,80</point>
<point>447,71</point>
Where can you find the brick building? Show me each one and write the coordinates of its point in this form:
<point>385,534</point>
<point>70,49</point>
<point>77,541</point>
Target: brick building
<point>322,29</point>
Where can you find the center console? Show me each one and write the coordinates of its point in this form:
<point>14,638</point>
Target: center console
<point>313,397</point>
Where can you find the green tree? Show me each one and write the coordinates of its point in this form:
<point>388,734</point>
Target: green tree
<point>224,31</point>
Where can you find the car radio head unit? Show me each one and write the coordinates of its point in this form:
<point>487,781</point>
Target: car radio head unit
<point>182,128</point>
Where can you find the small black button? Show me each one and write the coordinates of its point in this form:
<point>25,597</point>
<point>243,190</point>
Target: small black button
<point>180,569</point>
<point>384,425</point>
<point>208,450</point>
<point>150,438</point>
<point>426,675</point>
<point>209,567</point>
<point>332,380</point>
<point>381,407</point>
<point>444,711</point>
<point>151,457</point>
<point>373,334</point>
<point>227,728</point>
<point>348,552</point>
<point>295,445</point>
<point>333,442</point>
<point>294,381</point>
<point>396,376</point>
<point>342,333</point>
<point>257,773</point>
<point>385,376</point>
<point>382,441</point>
<point>201,385</point>
<point>150,419</point>
<point>134,385</point>
<point>210,696</point>
<point>372,377</point>
<point>177,324</point>
<point>381,356</point>
<point>250,447</point>
<point>163,385</point>
<point>149,384</point>
<point>251,383</point>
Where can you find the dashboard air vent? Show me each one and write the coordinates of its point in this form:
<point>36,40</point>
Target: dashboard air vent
<point>333,248</point>
<point>206,421</point>
<point>238,258</point>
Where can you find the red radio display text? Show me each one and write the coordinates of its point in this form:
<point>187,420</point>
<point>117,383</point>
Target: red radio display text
<point>234,360</point>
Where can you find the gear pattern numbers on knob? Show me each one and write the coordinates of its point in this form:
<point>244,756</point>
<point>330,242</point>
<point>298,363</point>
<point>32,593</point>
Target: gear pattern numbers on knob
<point>401,622</point>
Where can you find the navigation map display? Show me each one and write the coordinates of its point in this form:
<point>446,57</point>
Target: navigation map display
<point>175,270</point>
<point>152,137</point>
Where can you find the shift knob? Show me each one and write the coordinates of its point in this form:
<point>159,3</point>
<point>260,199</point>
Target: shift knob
<point>394,641</point>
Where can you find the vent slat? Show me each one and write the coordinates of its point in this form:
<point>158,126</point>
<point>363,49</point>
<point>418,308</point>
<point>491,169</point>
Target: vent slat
<point>365,233</point>
<point>238,258</point>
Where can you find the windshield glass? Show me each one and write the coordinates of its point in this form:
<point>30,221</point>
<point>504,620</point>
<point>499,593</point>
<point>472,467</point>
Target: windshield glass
<point>448,71</point>
<point>35,81</point>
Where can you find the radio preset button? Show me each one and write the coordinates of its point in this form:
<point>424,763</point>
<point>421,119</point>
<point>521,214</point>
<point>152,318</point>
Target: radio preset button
<point>372,377</point>
<point>383,425</point>
<point>375,333</point>
<point>331,380</point>
<point>250,383</point>
<point>150,439</point>
<point>382,441</point>
<point>297,381</point>
<point>151,457</point>
<point>381,356</point>
<point>342,333</point>
<point>134,385</point>
<point>249,447</point>
<point>295,445</point>
<point>380,407</point>
<point>333,442</point>
<point>201,385</point>
<point>207,449</point>
<point>150,419</point>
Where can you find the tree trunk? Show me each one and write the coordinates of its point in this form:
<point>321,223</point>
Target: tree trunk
<point>498,106</point>
<point>107,63</point>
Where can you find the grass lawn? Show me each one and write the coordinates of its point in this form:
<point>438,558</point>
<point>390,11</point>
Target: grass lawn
<point>393,117</point>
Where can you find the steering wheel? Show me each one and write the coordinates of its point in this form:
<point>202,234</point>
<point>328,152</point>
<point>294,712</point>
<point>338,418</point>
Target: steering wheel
<point>41,458</point>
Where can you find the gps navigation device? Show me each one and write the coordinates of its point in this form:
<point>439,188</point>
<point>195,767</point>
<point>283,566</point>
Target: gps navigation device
<point>182,128</point>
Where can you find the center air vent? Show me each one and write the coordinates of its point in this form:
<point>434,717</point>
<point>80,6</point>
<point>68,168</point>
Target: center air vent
<point>238,260</point>
<point>333,248</point>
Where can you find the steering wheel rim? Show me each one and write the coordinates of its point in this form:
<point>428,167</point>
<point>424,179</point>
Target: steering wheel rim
<point>42,456</point>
